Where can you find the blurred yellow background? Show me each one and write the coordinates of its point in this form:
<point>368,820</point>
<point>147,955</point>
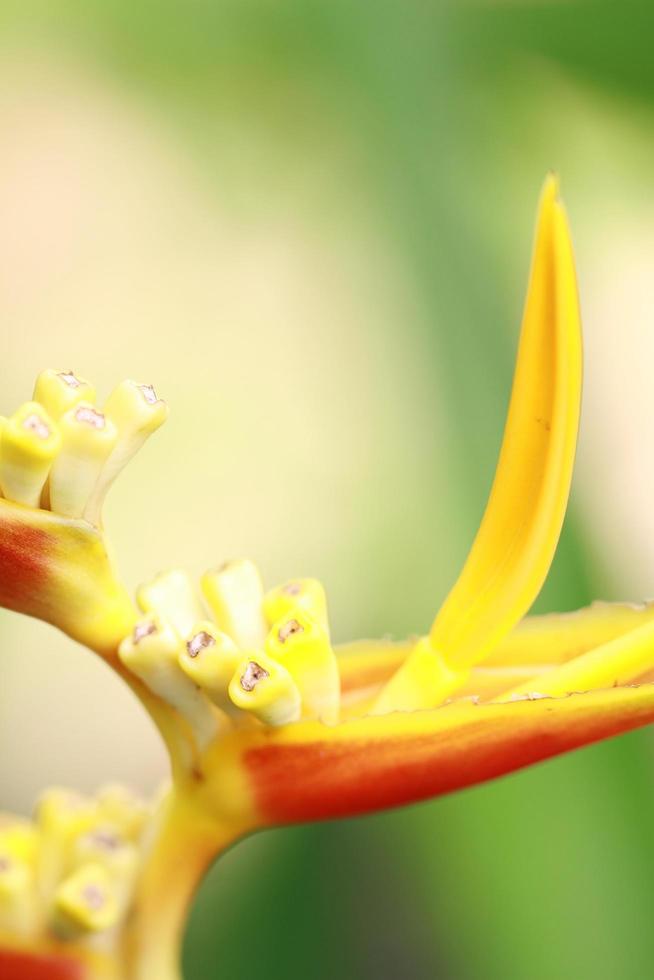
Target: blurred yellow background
<point>309,225</point>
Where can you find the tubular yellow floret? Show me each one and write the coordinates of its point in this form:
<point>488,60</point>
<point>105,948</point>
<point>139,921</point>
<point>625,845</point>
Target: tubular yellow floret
<point>18,849</point>
<point>29,443</point>
<point>70,875</point>
<point>171,596</point>
<point>88,438</point>
<point>235,596</point>
<point>105,845</point>
<point>85,902</point>
<point>152,654</point>
<point>299,593</point>
<point>120,807</point>
<point>265,689</point>
<point>19,837</point>
<point>18,911</point>
<point>61,816</point>
<point>59,391</point>
<point>136,412</point>
<point>302,646</point>
<point>209,658</point>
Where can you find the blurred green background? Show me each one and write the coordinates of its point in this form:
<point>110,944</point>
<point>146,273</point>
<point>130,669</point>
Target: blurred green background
<point>309,225</point>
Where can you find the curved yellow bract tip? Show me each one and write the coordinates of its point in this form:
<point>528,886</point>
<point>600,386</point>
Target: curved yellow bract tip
<point>520,529</point>
<point>516,541</point>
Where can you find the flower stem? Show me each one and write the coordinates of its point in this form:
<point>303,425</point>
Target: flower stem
<point>186,842</point>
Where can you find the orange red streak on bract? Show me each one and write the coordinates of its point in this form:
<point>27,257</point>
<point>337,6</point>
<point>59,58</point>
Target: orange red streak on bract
<point>375,763</point>
<point>17,965</point>
<point>24,552</point>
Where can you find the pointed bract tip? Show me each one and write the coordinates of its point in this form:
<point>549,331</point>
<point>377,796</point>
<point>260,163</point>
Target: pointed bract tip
<point>551,190</point>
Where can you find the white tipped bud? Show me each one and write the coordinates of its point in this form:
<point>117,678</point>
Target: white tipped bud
<point>59,391</point>
<point>105,845</point>
<point>61,816</point>
<point>209,659</point>
<point>302,646</point>
<point>28,445</point>
<point>235,596</point>
<point>171,596</point>
<point>18,912</point>
<point>88,438</point>
<point>300,593</point>
<point>266,690</point>
<point>136,412</point>
<point>86,902</point>
<point>123,809</point>
<point>152,655</point>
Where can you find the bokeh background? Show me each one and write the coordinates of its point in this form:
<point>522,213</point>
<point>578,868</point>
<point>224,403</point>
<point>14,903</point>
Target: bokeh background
<point>309,224</point>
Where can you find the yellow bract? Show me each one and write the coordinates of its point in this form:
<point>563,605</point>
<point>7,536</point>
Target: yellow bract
<point>520,529</point>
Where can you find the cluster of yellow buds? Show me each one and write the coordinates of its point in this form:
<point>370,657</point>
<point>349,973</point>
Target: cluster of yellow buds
<point>59,452</point>
<point>69,874</point>
<point>260,656</point>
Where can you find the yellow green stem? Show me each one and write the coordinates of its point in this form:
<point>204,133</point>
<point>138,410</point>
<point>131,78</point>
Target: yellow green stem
<point>186,843</point>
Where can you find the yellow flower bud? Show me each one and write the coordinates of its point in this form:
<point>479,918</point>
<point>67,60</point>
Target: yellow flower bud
<point>209,658</point>
<point>29,443</point>
<point>105,845</point>
<point>171,596</point>
<point>152,654</point>
<point>235,596</point>
<point>120,807</point>
<point>136,412</point>
<point>88,438</point>
<point>61,816</point>
<point>85,902</point>
<point>18,910</point>
<point>264,688</point>
<point>302,646</point>
<point>299,593</point>
<point>59,391</point>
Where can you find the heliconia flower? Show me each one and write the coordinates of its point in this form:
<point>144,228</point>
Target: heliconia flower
<point>266,722</point>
